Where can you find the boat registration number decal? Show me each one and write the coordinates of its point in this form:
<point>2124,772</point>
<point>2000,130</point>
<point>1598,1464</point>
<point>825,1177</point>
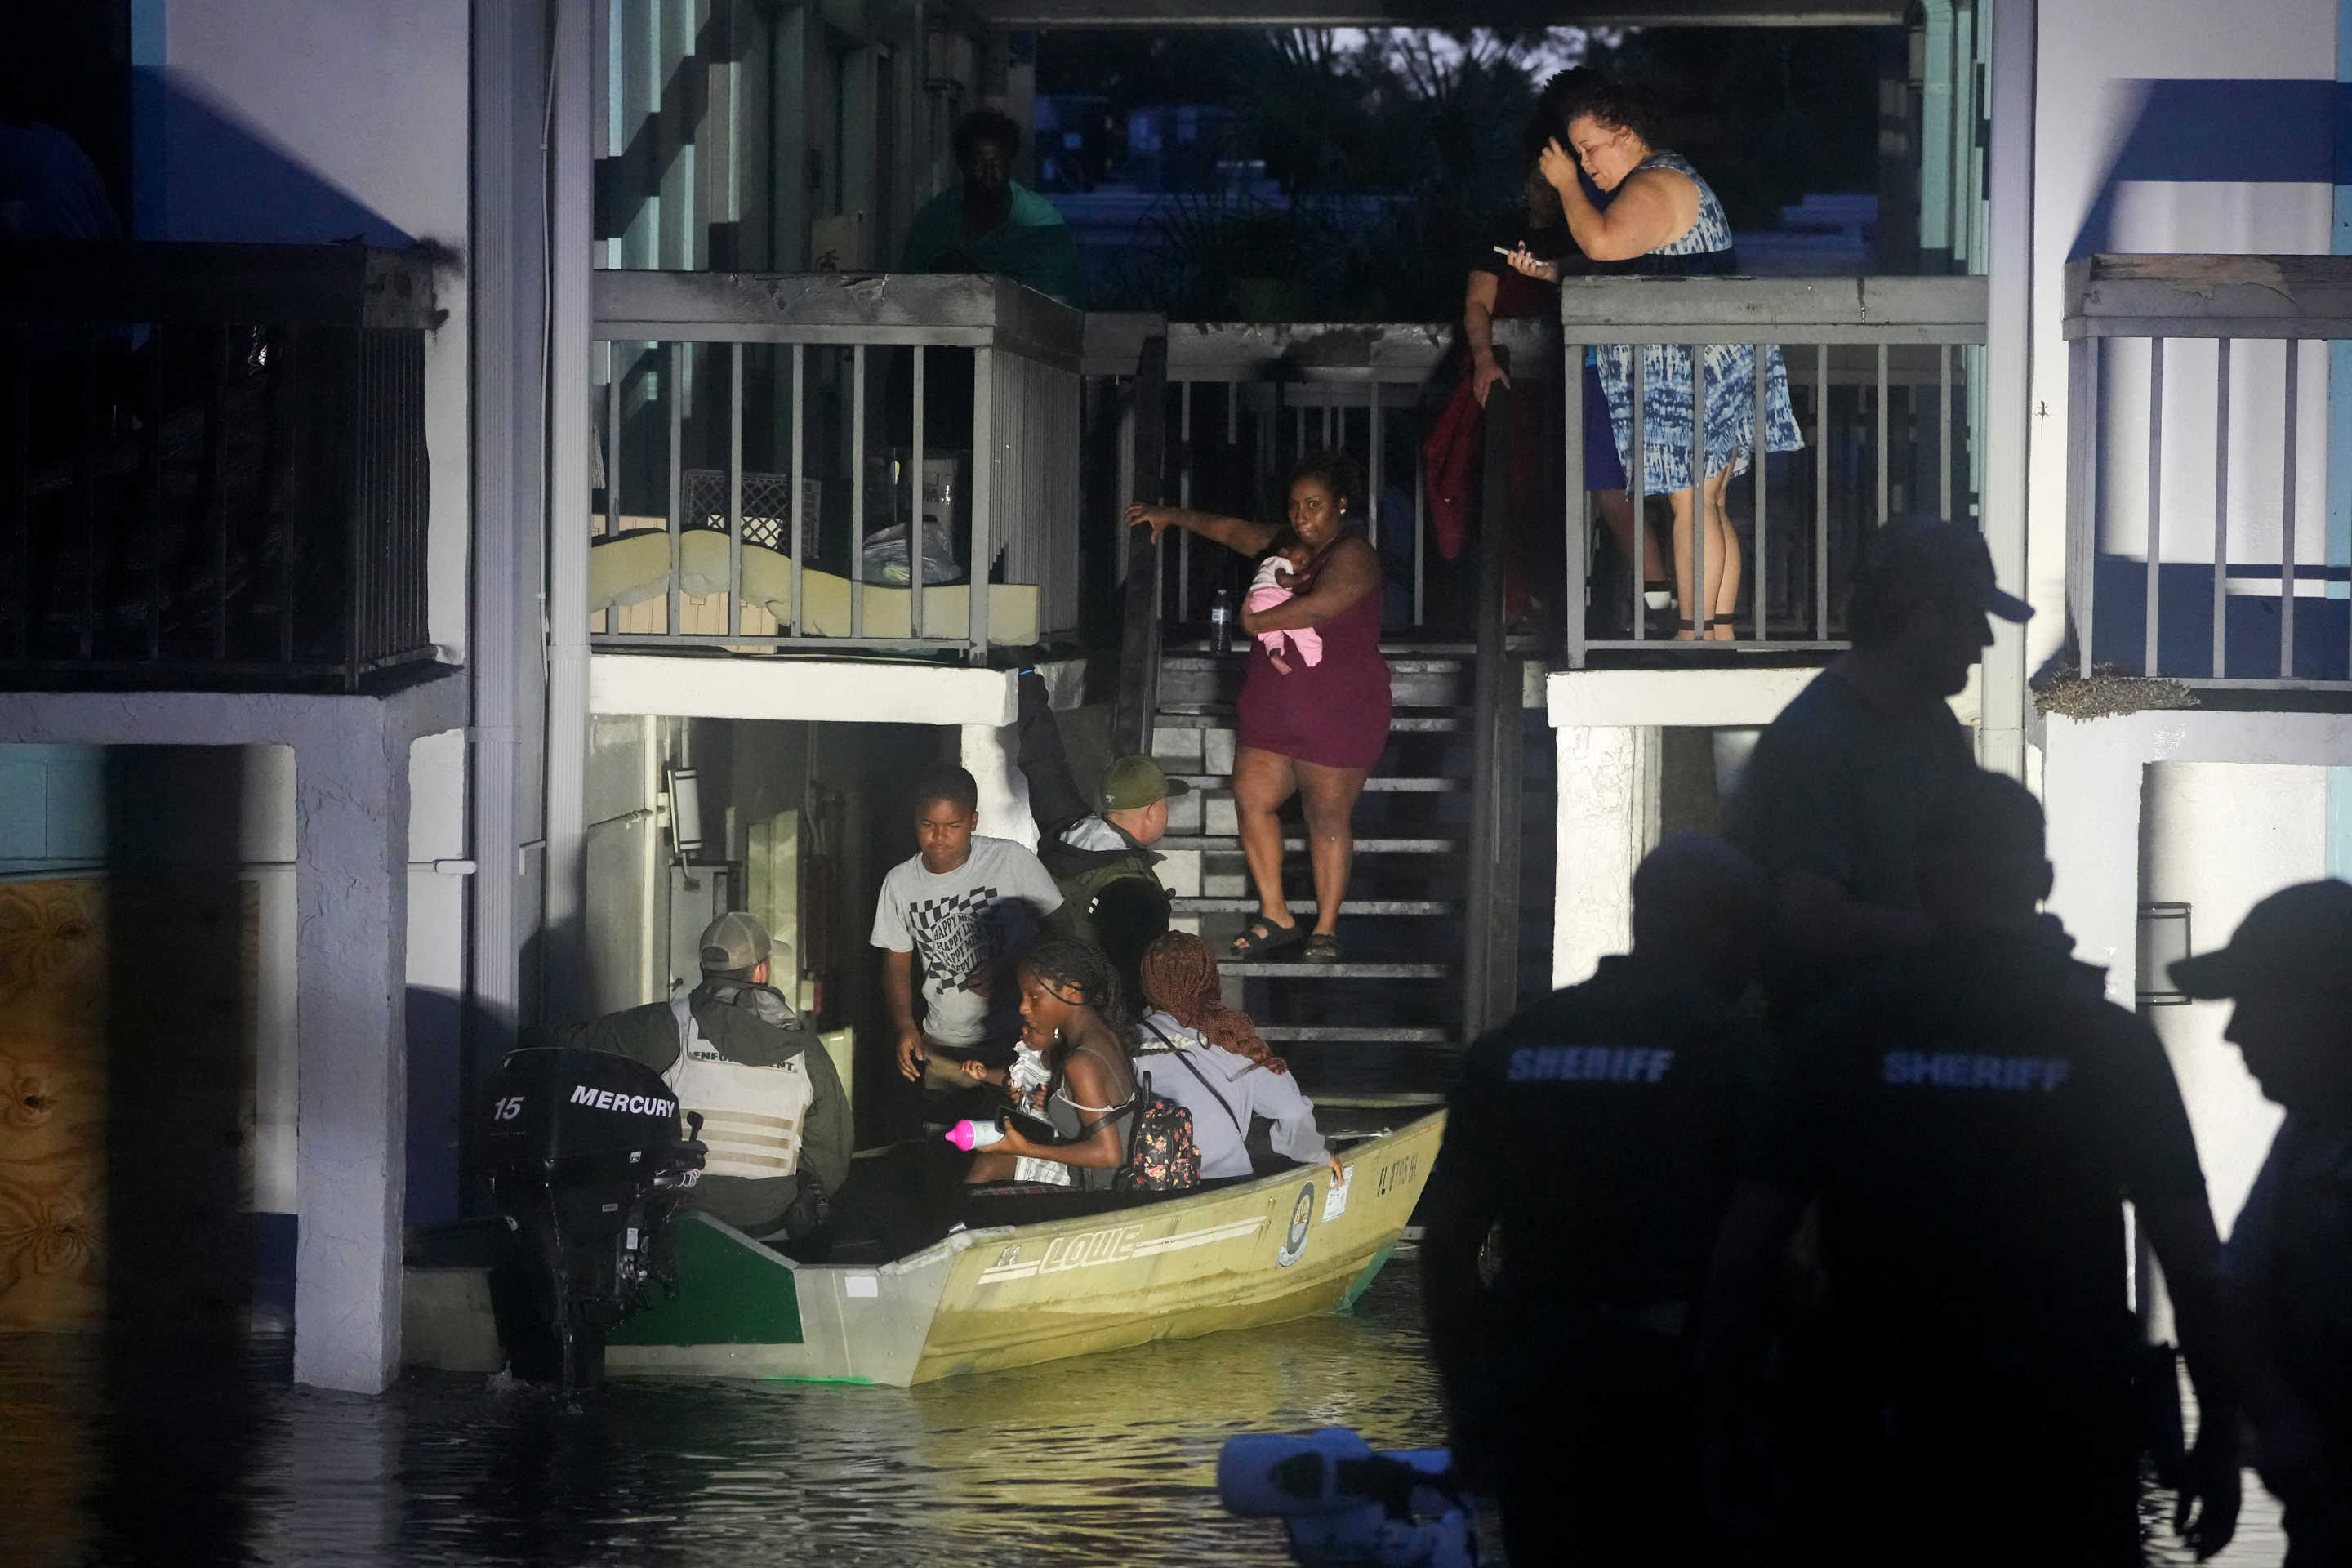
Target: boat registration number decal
<point>1090,1248</point>
<point>1398,1173</point>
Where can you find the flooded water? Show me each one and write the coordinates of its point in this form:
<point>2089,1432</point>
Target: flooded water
<point>1106,1459</point>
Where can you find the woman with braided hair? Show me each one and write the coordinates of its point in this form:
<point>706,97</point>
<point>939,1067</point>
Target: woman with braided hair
<point>1208,1058</point>
<point>1073,1024</point>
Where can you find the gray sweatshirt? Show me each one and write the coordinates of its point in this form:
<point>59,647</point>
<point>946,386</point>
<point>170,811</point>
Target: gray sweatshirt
<point>1223,1091</point>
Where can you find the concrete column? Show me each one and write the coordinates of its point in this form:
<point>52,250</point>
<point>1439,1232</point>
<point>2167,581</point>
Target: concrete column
<point>1606,805</point>
<point>2008,432</point>
<point>2091,776</point>
<point>352,886</point>
<point>988,754</point>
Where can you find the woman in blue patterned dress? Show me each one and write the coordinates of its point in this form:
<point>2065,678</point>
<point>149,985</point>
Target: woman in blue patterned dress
<point>1661,212</point>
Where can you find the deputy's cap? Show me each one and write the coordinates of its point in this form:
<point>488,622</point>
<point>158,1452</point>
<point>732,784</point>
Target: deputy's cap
<point>734,941</point>
<point>2303,932</point>
<point>1132,783</point>
<point>1929,551</point>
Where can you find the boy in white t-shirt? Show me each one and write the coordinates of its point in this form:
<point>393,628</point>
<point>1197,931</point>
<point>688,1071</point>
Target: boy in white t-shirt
<point>965,906</point>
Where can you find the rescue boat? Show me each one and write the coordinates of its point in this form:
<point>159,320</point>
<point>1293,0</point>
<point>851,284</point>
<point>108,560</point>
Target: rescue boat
<point>1280,1247</point>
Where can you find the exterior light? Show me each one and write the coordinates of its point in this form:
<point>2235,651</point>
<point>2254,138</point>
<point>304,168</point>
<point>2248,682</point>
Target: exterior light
<point>2163,937</point>
<point>685,813</point>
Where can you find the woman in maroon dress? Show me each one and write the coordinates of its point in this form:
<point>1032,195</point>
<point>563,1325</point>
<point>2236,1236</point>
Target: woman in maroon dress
<point>1316,729</point>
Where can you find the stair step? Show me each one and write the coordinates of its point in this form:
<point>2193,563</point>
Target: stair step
<point>1368,1033</point>
<point>1371,786</point>
<point>1194,906</point>
<point>1225,719</point>
<point>1213,842</point>
<point>1299,969</point>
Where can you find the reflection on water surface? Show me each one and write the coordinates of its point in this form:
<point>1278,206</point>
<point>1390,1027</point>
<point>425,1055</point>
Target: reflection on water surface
<point>1104,1459</point>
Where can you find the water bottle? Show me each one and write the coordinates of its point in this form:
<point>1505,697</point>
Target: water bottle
<point>1221,622</point>
<point>971,1135</point>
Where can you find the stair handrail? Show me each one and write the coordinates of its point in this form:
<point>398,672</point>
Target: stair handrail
<point>1138,650</point>
<point>1490,927</point>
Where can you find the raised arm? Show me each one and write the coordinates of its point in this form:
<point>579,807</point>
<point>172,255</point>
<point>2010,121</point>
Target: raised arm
<point>1352,572</point>
<point>1653,207</point>
<point>1234,534</point>
<point>1478,331</point>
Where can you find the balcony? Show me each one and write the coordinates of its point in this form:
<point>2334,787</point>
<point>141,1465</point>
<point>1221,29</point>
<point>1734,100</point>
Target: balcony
<point>215,465</point>
<point>2207,532</point>
<point>1883,375</point>
<point>767,444</point>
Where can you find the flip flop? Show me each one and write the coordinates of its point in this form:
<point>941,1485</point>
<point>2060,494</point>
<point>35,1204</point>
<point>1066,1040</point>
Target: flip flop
<point>1320,950</point>
<point>1264,936</point>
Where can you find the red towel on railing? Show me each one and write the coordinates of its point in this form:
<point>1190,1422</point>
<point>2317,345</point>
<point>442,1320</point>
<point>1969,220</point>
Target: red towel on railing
<point>1450,460</point>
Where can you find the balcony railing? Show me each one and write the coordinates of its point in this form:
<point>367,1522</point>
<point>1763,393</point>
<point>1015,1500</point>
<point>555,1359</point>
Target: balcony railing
<point>1881,372</point>
<point>215,463</point>
<point>1242,402</point>
<point>779,454</point>
<point>2207,538</point>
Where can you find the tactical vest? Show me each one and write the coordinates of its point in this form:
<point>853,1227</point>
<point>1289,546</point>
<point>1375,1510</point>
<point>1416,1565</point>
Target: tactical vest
<point>751,1116</point>
<point>1080,889</point>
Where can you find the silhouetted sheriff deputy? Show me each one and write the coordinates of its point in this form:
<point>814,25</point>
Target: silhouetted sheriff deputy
<point>774,1116</point>
<point>1971,1119</point>
<point>1596,1133</point>
<point>2289,969</point>
<point>1830,803</point>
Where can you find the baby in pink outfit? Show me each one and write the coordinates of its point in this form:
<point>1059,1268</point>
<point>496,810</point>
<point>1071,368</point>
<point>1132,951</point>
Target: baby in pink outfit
<point>1272,587</point>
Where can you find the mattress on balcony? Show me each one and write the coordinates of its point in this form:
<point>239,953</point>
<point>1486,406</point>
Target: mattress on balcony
<point>628,575</point>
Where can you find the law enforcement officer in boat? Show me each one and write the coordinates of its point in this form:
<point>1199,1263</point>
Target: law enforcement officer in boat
<point>1098,849</point>
<point>773,1113</point>
<point>1971,1118</point>
<point>1592,1143</point>
<point>2289,971</point>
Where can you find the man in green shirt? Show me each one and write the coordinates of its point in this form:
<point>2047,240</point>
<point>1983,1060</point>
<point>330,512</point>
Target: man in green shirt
<point>990,223</point>
<point>774,1116</point>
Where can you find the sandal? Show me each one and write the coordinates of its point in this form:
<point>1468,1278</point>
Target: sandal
<point>1264,936</point>
<point>1322,948</point>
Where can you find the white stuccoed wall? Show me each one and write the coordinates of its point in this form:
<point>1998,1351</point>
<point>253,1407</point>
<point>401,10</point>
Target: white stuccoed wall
<point>2220,837</point>
<point>2092,56</point>
<point>2217,838</point>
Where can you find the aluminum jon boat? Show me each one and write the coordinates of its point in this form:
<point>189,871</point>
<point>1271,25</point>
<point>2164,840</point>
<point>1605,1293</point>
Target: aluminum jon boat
<point>1280,1247</point>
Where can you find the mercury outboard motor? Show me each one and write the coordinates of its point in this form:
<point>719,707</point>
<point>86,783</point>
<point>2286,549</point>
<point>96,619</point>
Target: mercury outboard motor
<point>586,1164</point>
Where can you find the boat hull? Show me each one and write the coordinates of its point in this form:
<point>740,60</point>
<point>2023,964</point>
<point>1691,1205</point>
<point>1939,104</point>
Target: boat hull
<point>1264,1251</point>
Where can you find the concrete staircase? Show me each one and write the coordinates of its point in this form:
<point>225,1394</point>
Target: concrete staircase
<point>1383,1026</point>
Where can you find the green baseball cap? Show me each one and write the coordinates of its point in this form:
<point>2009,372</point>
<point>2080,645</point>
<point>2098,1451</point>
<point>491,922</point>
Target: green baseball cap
<point>1132,783</point>
<point>734,941</point>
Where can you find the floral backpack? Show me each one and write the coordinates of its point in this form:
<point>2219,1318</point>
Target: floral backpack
<point>1161,1154</point>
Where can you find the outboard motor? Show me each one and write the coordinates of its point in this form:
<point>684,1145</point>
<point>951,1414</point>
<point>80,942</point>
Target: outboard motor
<point>587,1166</point>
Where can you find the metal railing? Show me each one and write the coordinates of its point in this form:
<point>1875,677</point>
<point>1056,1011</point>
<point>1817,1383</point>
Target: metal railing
<point>2208,398</point>
<point>215,463</point>
<point>760,433</point>
<point>1880,373</point>
<point>1243,402</point>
